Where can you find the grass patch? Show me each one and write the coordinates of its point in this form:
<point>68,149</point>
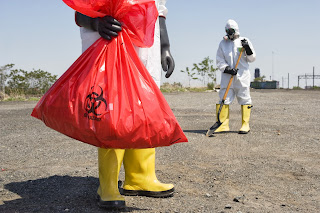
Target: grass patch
<point>34,98</point>
<point>297,88</point>
<point>177,87</point>
<point>19,97</point>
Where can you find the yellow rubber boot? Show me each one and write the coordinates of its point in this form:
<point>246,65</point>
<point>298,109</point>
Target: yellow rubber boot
<point>245,110</point>
<point>140,177</point>
<point>224,118</point>
<point>110,161</point>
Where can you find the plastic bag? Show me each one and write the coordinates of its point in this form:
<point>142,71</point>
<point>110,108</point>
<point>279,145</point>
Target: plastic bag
<point>107,98</point>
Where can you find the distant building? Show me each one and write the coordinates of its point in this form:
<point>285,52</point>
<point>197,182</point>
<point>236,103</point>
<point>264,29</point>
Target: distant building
<point>260,83</point>
<point>265,85</point>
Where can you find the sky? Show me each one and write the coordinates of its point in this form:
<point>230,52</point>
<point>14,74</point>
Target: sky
<point>285,34</point>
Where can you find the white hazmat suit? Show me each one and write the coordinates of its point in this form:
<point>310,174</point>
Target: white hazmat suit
<point>227,55</point>
<point>151,57</point>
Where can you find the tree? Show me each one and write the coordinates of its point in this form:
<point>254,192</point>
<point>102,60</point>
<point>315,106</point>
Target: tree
<point>190,74</point>
<point>205,70</point>
<point>3,76</point>
<point>24,82</point>
<point>40,81</point>
<point>259,79</point>
<point>17,80</point>
<point>212,75</point>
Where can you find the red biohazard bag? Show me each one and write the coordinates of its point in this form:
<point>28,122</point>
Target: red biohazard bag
<point>107,98</point>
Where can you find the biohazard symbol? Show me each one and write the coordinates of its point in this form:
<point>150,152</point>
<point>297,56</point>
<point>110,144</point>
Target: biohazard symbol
<point>92,104</point>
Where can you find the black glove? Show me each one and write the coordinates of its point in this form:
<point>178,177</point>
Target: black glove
<point>107,26</point>
<point>167,61</point>
<point>231,71</point>
<point>246,46</point>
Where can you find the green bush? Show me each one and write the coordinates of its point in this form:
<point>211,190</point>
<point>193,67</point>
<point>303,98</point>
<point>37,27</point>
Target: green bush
<point>316,88</point>
<point>210,86</point>
<point>18,81</point>
<point>296,88</point>
<point>259,79</point>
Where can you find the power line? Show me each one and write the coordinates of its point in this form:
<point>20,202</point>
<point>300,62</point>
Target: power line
<point>306,77</point>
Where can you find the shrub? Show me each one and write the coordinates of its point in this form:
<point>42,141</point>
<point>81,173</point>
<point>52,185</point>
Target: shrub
<point>210,86</point>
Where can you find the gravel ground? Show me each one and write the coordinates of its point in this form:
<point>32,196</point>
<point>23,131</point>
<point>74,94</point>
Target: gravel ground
<point>275,168</point>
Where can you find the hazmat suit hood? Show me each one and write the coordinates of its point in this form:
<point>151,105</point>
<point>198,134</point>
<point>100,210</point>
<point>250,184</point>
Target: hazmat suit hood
<point>234,28</point>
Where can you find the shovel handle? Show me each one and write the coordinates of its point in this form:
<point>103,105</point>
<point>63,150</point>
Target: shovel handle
<point>230,81</point>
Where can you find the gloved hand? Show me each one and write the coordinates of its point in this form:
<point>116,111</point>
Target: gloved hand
<point>231,71</point>
<point>246,46</point>
<point>167,61</point>
<point>107,26</point>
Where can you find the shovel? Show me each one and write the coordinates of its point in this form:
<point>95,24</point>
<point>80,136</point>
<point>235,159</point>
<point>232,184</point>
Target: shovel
<point>218,123</point>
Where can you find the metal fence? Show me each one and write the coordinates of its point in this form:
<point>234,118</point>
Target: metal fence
<point>306,77</point>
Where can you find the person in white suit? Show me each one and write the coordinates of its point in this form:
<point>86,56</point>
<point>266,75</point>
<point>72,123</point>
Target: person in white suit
<point>226,59</point>
<point>139,164</point>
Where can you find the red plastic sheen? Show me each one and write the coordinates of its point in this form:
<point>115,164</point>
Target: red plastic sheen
<point>137,16</point>
<point>107,98</point>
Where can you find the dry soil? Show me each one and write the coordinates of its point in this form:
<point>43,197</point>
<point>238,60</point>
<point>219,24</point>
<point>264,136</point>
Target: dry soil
<point>274,168</point>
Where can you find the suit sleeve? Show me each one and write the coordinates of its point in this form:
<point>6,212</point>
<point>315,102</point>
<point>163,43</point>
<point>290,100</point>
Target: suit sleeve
<point>220,59</point>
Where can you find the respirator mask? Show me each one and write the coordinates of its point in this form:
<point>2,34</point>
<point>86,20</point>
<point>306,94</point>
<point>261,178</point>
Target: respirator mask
<point>231,33</point>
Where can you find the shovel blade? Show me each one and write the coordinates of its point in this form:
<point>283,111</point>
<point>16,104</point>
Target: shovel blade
<point>213,128</point>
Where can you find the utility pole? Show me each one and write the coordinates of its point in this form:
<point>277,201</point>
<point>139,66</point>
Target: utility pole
<point>306,80</point>
<point>306,76</point>
<point>313,77</point>
<point>288,81</point>
<point>271,78</point>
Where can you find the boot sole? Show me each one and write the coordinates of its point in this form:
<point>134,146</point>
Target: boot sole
<point>243,132</point>
<point>222,132</point>
<point>111,205</point>
<point>161,194</point>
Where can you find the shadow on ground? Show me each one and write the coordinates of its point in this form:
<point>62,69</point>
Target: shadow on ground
<point>204,132</point>
<point>201,131</point>
<point>55,194</point>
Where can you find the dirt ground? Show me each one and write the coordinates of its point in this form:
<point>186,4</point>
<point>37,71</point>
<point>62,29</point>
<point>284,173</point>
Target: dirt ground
<point>275,168</point>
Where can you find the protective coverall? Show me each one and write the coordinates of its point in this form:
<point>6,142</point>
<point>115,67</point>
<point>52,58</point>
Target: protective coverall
<point>227,55</point>
<point>150,57</point>
<point>139,164</point>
